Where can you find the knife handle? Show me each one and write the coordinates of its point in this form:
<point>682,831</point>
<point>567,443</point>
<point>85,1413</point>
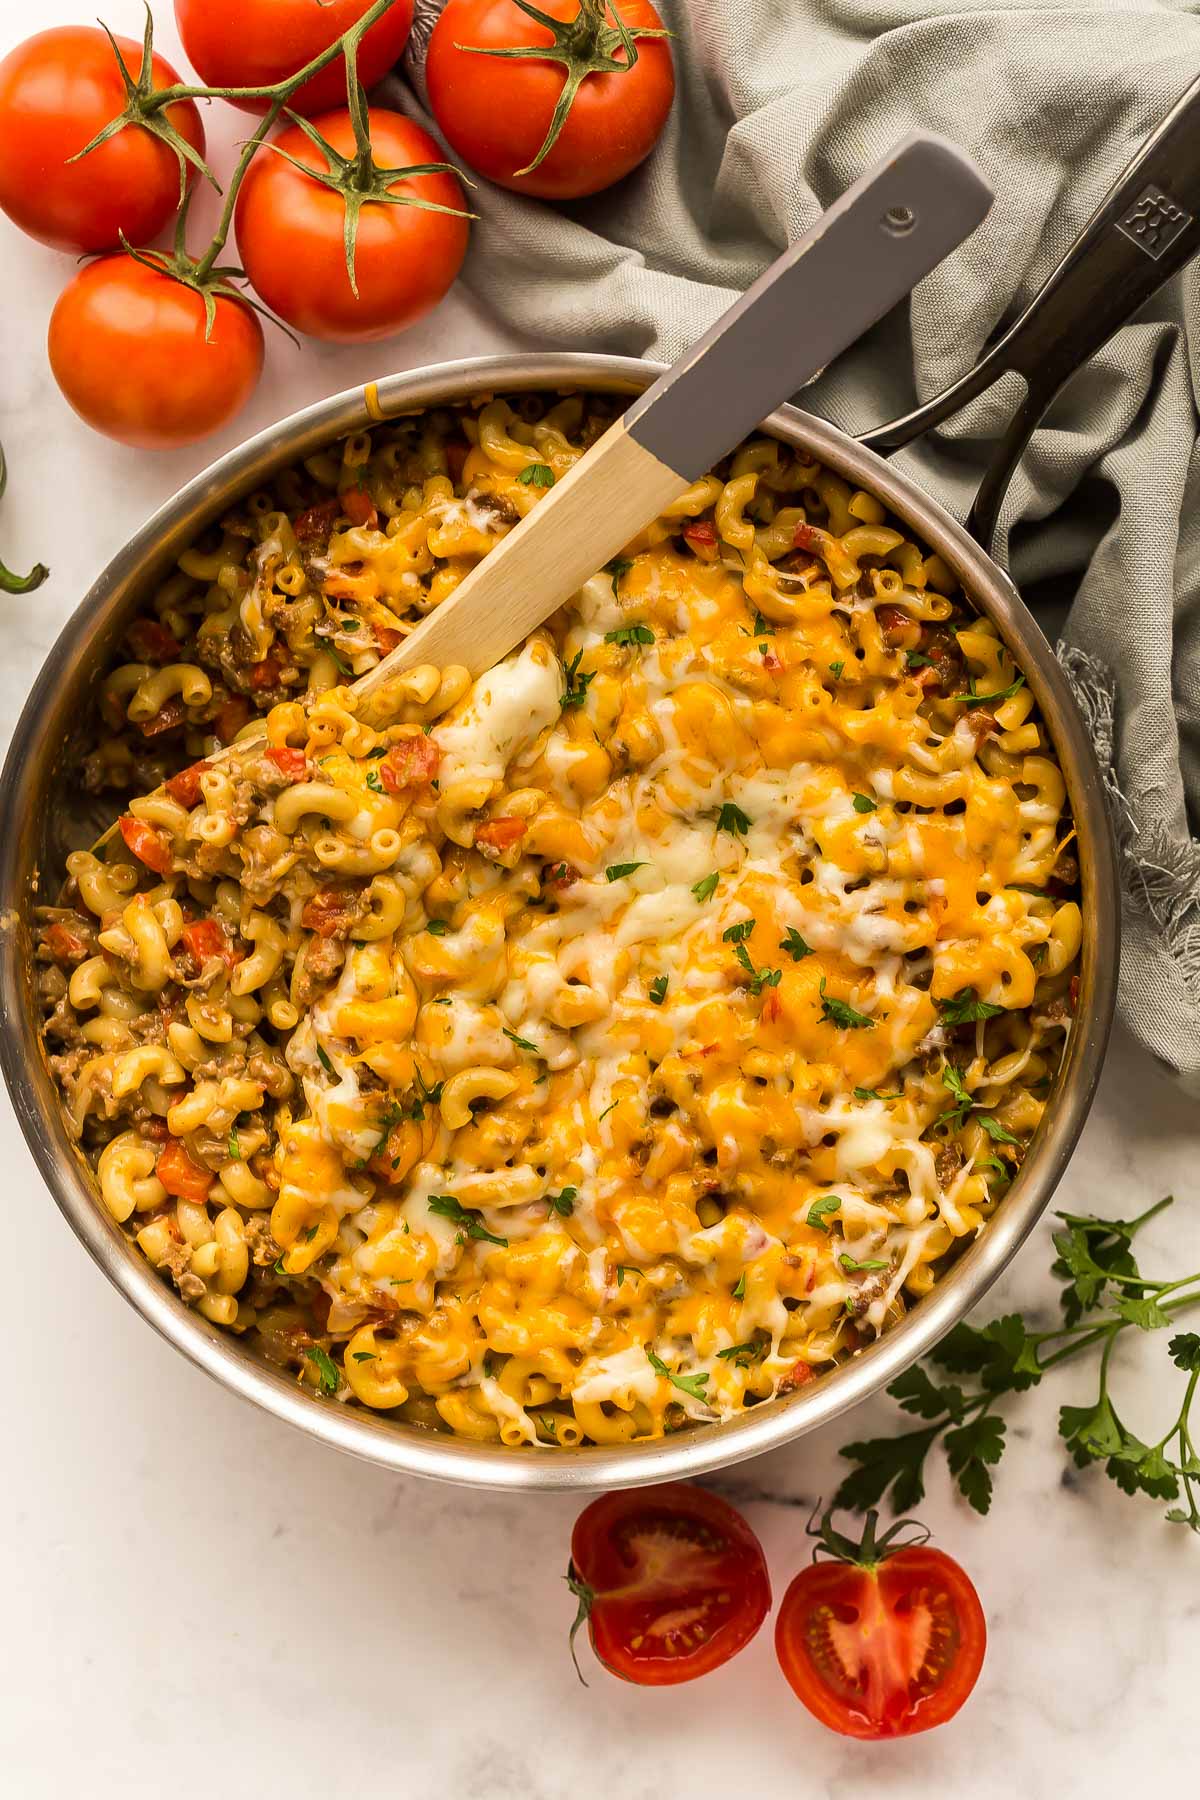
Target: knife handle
<point>860,258</point>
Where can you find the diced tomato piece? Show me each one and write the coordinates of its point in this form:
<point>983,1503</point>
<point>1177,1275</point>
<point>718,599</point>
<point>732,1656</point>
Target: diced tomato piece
<point>165,719</point>
<point>457,452</point>
<point>185,787</point>
<point>232,718</point>
<point>411,763</point>
<point>317,521</point>
<point>150,641</point>
<point>266,673</point>
<point>387,639</point>
<point>983,723</point>
<point>155,1130</point>
<point>772,1006</point>
<point>897,629</point>
<point>64,944</point>
<point>358,507</point>
<point>807,537</point>
<point>771,662</point>
<point>148,845</point>
<point>319,1305</point>
<point>799,1375</point>
<point>561,875</point>
<point>180,1175</point>
<point>702,532</point>
<point>207,938</point>
<point>501,834</point>
<point>327,913</point>
<point>289,762</point>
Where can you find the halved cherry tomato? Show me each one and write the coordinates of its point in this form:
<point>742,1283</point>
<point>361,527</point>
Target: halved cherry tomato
<point>359,508</point>
<point>411,763</point>
<point>206,938</point>
<point>501,834</point>
<point>289,762</point>
<point>148,845</point>
<point>180,1175</point>
<point>671,1580</point>
<point>885,1639</point>
<point>57,91</point>
<point>255,43</point>
<point>185,787</point>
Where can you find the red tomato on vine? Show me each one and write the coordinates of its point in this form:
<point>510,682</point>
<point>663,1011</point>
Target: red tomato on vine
<point>255,43</point>
<point>58,90</point>
<point>557,112</point>
<point>128,349</point>
<point>291,227</point>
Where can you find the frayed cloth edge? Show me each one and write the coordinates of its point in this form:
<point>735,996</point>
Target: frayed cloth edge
<point>1160,873</point>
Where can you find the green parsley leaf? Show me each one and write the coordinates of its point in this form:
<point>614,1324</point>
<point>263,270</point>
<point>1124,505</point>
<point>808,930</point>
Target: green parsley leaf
<point>835,669</point>
<point>1001,1356</point>
<point>327,1369</point>
<point>996,1130</point>
<point>761,627</point>
<point>752,1351</point>
<point>624,1269</point>
<point>693,1385</point>
<point>437,928</point>
<point>705,888</point>
<point>607,1110</point>
<point>888,1462</point>
<point>732,819</point>
<point>917,660</point>
<point>337,659</point>
<point>795,945</point>
<point>965,1008</point>
<point>820,1210</point>
<point>617,871</point>
<point>448,1206</point>
<point>848,1263</point>
<point>739,1292</point>
<point>629,635</point>
<point>616,568</point>
<point>862,803</point>
<point>737,934</point>
<point>536,474</point>
<point>521,1043</point>
<point>658,990</point>
<point>577,683</point>
<point>840,1013</point>
<point>1143,1311</point>
<point>563,1203</point>
<point>971,1451</point>
<point>364,1355</point>
<point>235,1149</point>
<point>311,1233</point>
<point>974,699</point>
<point>323,1059</point>
<point>861,1093</point>
<point>373,782</point>
<point>915,1392</point>
<point>1184,1351</point>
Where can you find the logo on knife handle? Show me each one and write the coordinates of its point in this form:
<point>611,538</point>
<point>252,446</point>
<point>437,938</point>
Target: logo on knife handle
<point>1154,221</point>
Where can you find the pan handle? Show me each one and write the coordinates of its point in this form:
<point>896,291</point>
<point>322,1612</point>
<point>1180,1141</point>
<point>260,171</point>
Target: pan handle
<point>1138,237</point>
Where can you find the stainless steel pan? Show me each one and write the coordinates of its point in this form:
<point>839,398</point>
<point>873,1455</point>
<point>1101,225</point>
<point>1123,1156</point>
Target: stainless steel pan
<point>1141,234</point>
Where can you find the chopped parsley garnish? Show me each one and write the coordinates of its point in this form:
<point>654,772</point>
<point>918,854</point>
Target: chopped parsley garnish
<point>739,1292</point>
<point>609,1108</point>
<point>737,934</point>
<point>624,1269</point>
<point>838,1012</point>
<point>578,682</point>
<point>327,1370</point>
<point>437,928</point>
<point>339,662</point>
<point>862,803</point>
<point>520,1042</point>
<point>311,1233</point>
<point>965,1008</point>
<point>794,944</point>
<point>373,782</point>
<point>658,990</point>
<point>536,475</point>
<point>705,888</point>
<point>617,871</point>
<point>848,1263</point>
<point>835,669</point>
<point>917,660</point>
<point>447,1206</point>
<point>759,978</point>
<point>820,1210</point>
<point>752,1351</point>
<point>861,1093</point>
<point>364,1355</point>
<point>235,1149</point>
<point>971,698</point>
<point>323,1059</point>
<point>629,635</point>
<point>996,1131</point>
<point>616,568</point>
<point>563,1203</point>
<point>732,819</point>
<point>761,627</point>
<point>693,1385</point>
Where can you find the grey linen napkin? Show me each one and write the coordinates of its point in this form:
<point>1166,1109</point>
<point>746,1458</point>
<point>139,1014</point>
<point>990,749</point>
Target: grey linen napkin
<point>781,104</point>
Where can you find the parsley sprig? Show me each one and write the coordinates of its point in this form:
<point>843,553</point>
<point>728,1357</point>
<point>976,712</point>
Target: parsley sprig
<point>448,1206</point>
<point>1104,1296</point>
<point>578,682</point>
<point>692,1385</point>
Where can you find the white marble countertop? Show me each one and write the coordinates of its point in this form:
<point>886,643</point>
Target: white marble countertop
<point>198,1600</point>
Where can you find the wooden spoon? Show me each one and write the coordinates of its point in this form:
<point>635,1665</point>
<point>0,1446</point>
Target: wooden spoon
<point>862,256</point>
